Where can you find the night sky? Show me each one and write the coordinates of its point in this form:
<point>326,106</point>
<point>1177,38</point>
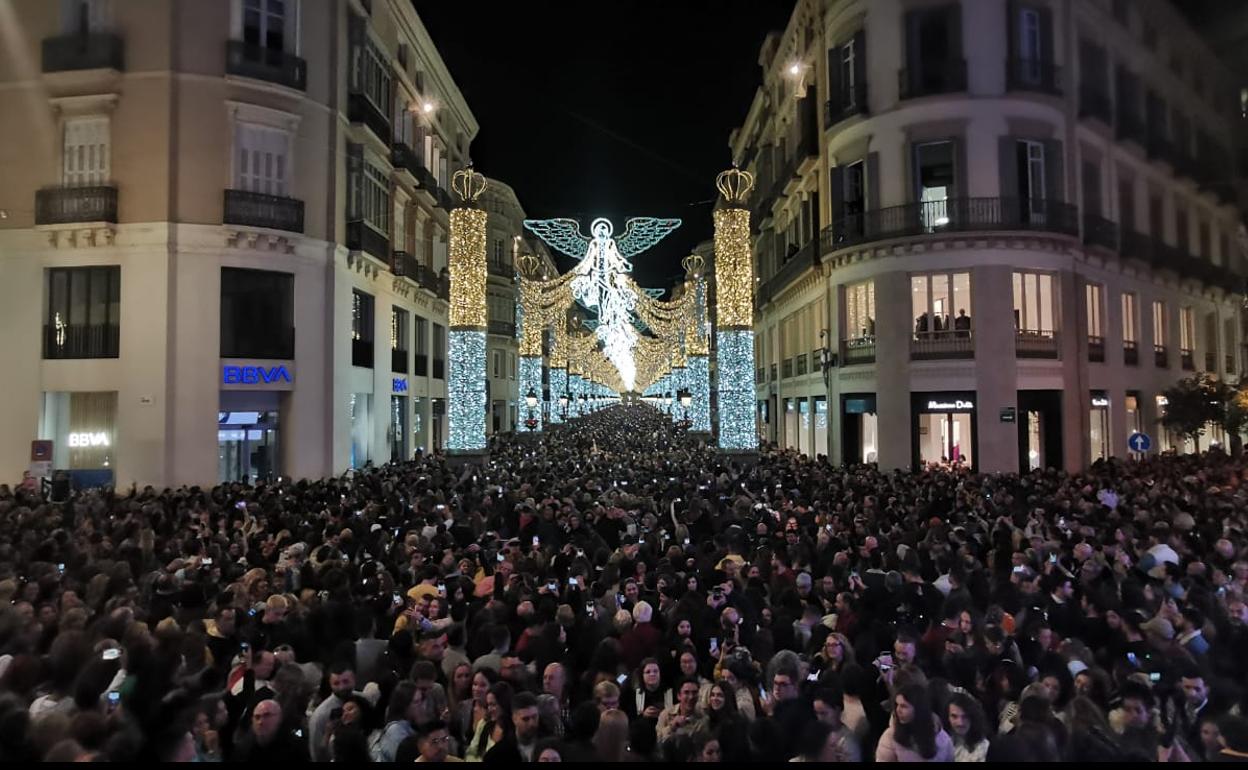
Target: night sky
<point>608,109</point>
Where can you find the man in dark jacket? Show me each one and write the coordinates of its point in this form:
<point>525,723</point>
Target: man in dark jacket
<point>518,745</point>
<point>267,743</point>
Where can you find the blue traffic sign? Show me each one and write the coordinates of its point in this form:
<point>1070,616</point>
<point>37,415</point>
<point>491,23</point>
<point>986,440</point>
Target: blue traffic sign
<point>1139,442</point>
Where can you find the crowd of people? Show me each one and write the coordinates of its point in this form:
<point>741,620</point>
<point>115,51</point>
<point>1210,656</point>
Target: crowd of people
<point>619,592</point>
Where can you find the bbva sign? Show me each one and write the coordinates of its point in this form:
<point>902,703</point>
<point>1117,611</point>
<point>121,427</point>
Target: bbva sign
<point>254,375</point>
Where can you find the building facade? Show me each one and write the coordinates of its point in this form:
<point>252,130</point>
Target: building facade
<point>224,237</point>
<point>989,233</point>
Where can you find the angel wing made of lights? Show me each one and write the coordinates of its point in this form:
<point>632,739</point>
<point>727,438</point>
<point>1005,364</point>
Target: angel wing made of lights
<point>640,233</point>
<point>562,235</point>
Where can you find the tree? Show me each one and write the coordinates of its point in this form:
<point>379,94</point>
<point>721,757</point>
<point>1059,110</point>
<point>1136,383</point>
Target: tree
<point>1192,403</point>
<point>1235,415</point>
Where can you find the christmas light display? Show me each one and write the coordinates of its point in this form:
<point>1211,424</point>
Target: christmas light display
<point>734,282</point>
<point>466,351</point>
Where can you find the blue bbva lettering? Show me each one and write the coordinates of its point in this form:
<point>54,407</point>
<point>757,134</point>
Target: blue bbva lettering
<point>252,375</point>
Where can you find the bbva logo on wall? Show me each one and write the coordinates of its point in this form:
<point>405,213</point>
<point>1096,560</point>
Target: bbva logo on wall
<point>255,375</point>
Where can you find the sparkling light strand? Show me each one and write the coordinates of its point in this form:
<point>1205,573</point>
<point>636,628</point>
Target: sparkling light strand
<point>465,391</point>
<point>558,389</point>
<point>467,268</point>
<point>700,393</point>
<point>735,360</point>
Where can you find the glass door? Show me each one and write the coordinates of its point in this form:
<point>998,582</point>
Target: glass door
<point>247,446</point>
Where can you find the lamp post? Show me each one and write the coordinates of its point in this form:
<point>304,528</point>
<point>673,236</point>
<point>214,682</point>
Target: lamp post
<point>827,359</point>
<point>563,406</point>
<point>530,403</point>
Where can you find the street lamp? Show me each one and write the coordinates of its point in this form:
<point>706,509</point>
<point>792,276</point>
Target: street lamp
<point>827,359</point>
<point>563,406</point>
<point>530,401</point>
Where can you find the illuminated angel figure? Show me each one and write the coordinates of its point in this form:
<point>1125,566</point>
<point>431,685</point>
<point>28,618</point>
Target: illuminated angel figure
<point>599,275</point>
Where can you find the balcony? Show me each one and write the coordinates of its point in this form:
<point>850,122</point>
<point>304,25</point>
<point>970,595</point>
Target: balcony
<point>362,353</point>
<point>360,109</point>
<point>81,341</point>
<point>786,369</point>
<point>1136,245</point>
<point>932,77</point>
<point>1033,75</point>
<point>850,101</point>
<point>794,267</point>
<point>951,215</point>
<point>1096,349</point>
<point>1099,231</point>
<point>254,61</point>
<point>439,369</point>
<point>1186,360</point>
<point>252,209</point>
<point>405,158</point>
<point>90,51</point>
<point>73,205</point>
<point>362,237</point>
<point>1130,353</point>
<point>800,364</point>
<point>404,265</point>
<point>1094,102</point>
<point>444,200</point>
<point>950,343</point>
<point>502,328</point>
<point>398,361</point>
<point>501,268</point>
<point>421,361</point>
<point>1035,343</point>
<point>858,350</point>
<point>1161,357</point>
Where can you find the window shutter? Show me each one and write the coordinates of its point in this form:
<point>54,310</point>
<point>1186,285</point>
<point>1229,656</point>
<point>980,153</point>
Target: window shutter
<point>1007,161</point>
<point>86,152</point>
<point>1054,170</point>
<point>1046,35</point>
<point>834,84</point>
<point>836,183</point>
<point>953,18</point>
<point>873,181</point>
<point>860,67</point>
<point>355,180</point>
<point>1012,22</point>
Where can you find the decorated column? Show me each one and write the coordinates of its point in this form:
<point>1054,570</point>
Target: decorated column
<point>734,286</point>
<point>529,319</point>
<point>698,370</point>
<point>559,370</point>
<point>466,408</point>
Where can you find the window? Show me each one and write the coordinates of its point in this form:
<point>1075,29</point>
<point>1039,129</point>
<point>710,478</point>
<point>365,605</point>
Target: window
<point>1031,181</point>
<point>374,198</point>
<point>398,329</point>
<point>264,24</point>
<point>934,51</point>
<point>1187,329</point>
<point>1228,343</point>
<point>372,76</point>
<point>86,152</point>
<point>84,312</point>
<point>1159,324</point>
<point>422,336</point>
<point>361,316</point>
<point>511,364</point>
<point>79,16</point>
<point>1034,304</point>
<point>439,351</point>
<point>257,314</point>
<point>1029,46</point>
<point>1095,294</point>
<point>939,303</point>
<point>1182,233</point>
<point>848,78</point>
<point>498,364</point>
<point>1130,316</point>
<point>263,155</point>
<point>860,311</point>
<point>934,181</point>
<point>82,427</point>
<point>1206,248</point>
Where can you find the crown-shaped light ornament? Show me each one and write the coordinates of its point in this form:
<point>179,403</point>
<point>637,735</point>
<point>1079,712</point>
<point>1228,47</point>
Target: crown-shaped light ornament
<point>735,184</point>
<point>529,265</point>
<point>468,184</point>
<point>693,265</point>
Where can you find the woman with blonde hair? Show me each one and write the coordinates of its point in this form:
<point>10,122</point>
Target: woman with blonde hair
<point>836,653</point>
<point>611,739</point>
